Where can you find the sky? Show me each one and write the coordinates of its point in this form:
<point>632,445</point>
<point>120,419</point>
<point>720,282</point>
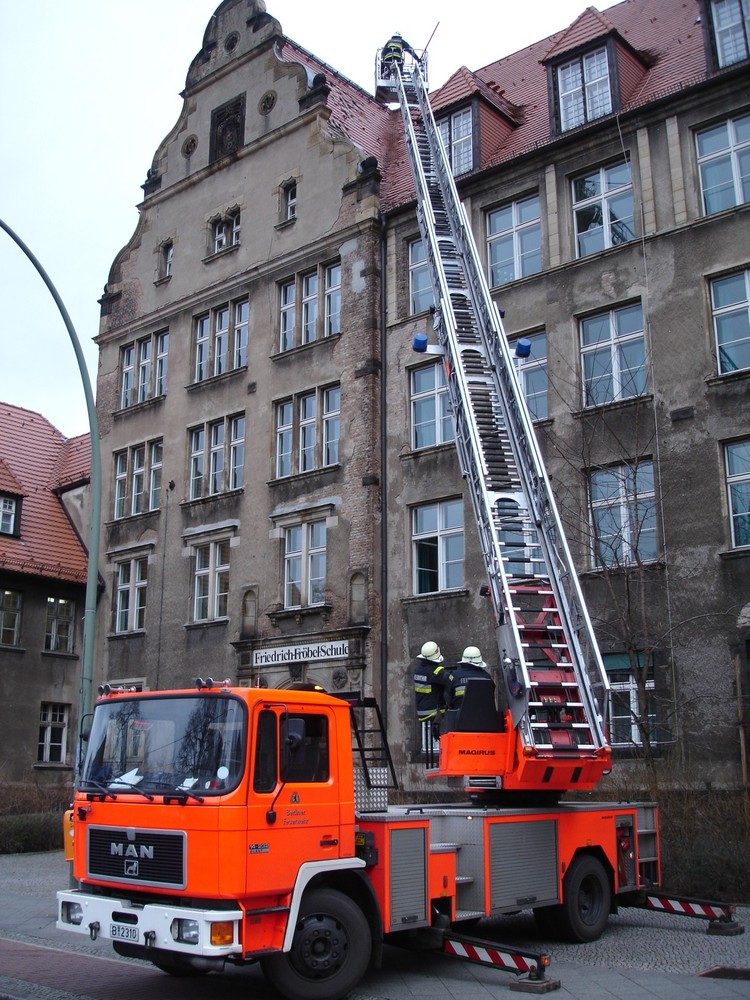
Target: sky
<point>89,90</point>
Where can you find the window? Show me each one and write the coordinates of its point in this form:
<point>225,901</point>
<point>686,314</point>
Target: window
<point>8,511</point>
<point>623,506</point>
<point>603,208</point>
<point>141,378</point>
<point>438,546</point>
<point>431,419</point>
<point>613,355</point>
<point>456,133</point>
<point>225,232</point>
<point>421,297</point>
<point>138,479</point>
<point>583,89</point>
<point>533,374</point>
<point>166,259</point>
<point>304,759</point>
<point>731,23</point>
<point>730,304</point>
<point>319,294</point>
<point>304,564</point>
<point>307,431</point>
<point>290,202</point>
<point>59,633</point>
<point>624,714</point>
<point>210,580</point>
<point>737,459</point>
<point>53,733</point>
<point>217,457</point>
<point>227,129</point>
<point>10,618</point>
<point>220,340</point>
<point>724,164</point>
<point>514,241</point>
<point>130,597</point>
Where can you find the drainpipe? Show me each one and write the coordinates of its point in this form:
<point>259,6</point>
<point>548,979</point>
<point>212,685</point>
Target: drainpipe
<point>383,484</point>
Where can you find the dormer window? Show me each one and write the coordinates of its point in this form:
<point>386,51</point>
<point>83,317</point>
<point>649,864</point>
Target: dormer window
<point>456,133</point>
<point>9,509</point>
<point>225,230</point>
<point>731,26</point>
<point>583,89</point>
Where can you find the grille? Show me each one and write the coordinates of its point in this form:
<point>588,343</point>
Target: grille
<point>142,857</point>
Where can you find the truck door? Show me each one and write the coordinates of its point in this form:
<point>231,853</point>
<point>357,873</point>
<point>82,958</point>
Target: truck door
<point>294,812</point>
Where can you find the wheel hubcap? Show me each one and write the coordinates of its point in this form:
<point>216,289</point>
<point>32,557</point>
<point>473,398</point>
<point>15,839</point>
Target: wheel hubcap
<point>321,946</point>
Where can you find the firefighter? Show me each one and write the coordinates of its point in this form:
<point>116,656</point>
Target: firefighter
<point>393,54</point>
<point>470,665</point>
<point>431,684</point>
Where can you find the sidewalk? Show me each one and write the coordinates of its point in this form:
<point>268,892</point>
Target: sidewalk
<point>641,956</point>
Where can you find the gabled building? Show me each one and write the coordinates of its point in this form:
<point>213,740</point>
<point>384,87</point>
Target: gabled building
<point>283,501</point>
<point>44,512</point>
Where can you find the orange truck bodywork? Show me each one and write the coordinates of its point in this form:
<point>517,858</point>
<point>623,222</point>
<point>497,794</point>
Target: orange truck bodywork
<point>251,855</point>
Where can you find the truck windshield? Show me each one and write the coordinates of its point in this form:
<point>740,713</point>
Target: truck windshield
<point>189,745</point>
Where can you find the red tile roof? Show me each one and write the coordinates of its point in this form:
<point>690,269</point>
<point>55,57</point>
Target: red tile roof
<point>36,463</point>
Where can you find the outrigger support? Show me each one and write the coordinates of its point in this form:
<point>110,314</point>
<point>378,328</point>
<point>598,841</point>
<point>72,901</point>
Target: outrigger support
<point>720,916</point>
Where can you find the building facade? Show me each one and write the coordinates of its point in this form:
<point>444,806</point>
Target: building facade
<point>284,502</point>
<point>44,514</point>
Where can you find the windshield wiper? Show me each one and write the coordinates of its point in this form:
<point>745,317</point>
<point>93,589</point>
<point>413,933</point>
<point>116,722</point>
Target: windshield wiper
<point>181,795</point>
<point>100,788</point>
<point>120,785</point>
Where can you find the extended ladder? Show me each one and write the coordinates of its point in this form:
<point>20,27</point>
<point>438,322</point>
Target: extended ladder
<point>554,677</point>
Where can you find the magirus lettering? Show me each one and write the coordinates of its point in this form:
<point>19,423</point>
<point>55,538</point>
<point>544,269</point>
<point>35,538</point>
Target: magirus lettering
<point>131,850</point>
<point>476,753</point>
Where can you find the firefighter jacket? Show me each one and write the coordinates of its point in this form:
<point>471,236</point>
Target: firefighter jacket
<point>460,675</point>
<point>431,684</point>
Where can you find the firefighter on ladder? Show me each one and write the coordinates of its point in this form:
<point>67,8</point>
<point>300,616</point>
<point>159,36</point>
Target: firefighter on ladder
<point>431,684</point>
<point>393,54</point>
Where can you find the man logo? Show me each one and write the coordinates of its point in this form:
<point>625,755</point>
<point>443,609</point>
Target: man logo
<point>130,868</point>
<point>142,851</point>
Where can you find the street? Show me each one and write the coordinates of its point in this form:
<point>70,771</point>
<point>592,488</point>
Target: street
<point>641,955</point>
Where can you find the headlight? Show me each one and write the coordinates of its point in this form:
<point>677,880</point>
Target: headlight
<point>71,913</point>
<point>185,931</point>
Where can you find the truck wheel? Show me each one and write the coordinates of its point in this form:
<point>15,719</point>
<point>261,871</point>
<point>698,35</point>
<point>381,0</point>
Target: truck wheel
<point>584,911</point>
<point>330,951</point>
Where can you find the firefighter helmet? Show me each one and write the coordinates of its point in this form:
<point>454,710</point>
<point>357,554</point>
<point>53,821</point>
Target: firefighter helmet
<point>431,651</point>
<point>472,655</point>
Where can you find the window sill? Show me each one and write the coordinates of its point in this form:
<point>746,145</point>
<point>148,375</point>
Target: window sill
<point>197,501</point>
<point>655,565</point>
<point>135,634</point>
<point>138,407</point>
<point>300,348</point>
<point>727,378</point>
<point>58,654</point>
<point>299,614</point>
<point>295,477</point>
<point>11,649</point>
<point>211,257</point>
<point>210,623</point>
<point>615,404</point>
<point>42,765</point>
<point>430,449</point>
<point>133,517</point>
<point>436,595</point>
<point>286,223</point>
<point>211,380</point>
<point>741,552</point>
<point>163,280</point>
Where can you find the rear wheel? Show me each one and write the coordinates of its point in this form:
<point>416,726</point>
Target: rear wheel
<point>584,911</point>
<point>330,951</point>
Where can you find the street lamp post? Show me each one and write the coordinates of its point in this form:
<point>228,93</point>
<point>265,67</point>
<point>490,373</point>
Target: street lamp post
<point>92,579</point>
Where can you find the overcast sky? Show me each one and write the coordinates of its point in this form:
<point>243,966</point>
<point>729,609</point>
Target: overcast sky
<point>91,87</point>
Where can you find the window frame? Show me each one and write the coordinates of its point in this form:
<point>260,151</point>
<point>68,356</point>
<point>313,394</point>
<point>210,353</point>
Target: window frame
<point>731,310</point>
<point>210,579</point>
<point>10,514</point>
<point>627,688</point>
<point>11,617</point>
<point>421,297</point>
<point>603,197</point>
<point>437,398</point>
<point>307,431</point>
<point>309,306</point>
<point>305,564</point>
<point>724,58</point>
<point>585,108</point>
<point>439,538</point>
<point>619,375</point>
<point>214,451</point>
<point>54,721</point>
<point>130,594</point>
<point>143,369</point>
<point>220,340</point>
<point>516,233</point>
<point>457,140</point>
<point>137,479</point>
<point>735,150</point>
<point>60,625</point>
<point>636,515</point>
<point>737,483</point>
<point>529,368</point>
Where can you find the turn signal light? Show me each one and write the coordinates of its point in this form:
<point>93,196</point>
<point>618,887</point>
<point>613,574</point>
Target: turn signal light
<point>222,933</point>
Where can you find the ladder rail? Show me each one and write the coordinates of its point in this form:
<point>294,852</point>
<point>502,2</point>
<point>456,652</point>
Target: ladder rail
<point>541,525</point>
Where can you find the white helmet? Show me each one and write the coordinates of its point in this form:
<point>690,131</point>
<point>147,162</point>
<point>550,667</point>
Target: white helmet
<point>472,655</point>
<point>431,651</point>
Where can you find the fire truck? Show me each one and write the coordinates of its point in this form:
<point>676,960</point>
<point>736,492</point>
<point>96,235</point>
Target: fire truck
<point>229,824</point>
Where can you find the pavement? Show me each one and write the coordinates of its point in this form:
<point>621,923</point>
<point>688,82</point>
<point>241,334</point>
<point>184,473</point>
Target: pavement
<point>641,956</point>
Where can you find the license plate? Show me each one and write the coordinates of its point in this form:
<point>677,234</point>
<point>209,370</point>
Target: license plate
<point>123,932</point>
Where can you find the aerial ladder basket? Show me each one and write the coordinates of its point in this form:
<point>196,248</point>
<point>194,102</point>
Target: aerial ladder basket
<point>554,689</point>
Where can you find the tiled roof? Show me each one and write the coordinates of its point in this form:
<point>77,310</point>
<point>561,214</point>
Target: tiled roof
<point>663,51</point>
<point>36,462</point>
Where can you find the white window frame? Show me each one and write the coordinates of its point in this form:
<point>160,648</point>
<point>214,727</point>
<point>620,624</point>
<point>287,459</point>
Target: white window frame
<point>52,747</point>
<point>623,693</point>
<point>220,340</point>
<point>308,428</point>
<point>730,309</point>
<point>318,293</point>
<point>731,26</point>
<point>607,188</point>
<point>584,90</point>
<point>430,407</point>
<point>305,558</point>
<point>211,566</point>
<point>131,590</point>
<point>11,611</point>
<point>290,201</point>
<point>59,634</point>
<point>167,259</point>
<point>737,471</point>
<point>421,295</point>
<point>610,359</point>
<point>137,479</point>
<point>8,511</point>
<point>442,531</point>
<point>216,450</point>
<point>533,375</point>
<point>456,132</point>
<point>723,152</point>
<point>140,379</point>
<point>521,234</point>
<point>623,501</point>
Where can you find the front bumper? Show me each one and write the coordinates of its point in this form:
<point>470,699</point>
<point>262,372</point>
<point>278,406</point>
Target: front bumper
<point>150,925</point>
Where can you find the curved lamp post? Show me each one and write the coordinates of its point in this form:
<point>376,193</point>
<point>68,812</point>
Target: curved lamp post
<point>89,620</point>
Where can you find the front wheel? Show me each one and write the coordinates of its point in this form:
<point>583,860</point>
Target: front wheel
<point>584,911</point>
<point>330,951</point>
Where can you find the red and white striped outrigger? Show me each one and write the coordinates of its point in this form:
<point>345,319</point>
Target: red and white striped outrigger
<point>530,966</point>
<point>719,915</point>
